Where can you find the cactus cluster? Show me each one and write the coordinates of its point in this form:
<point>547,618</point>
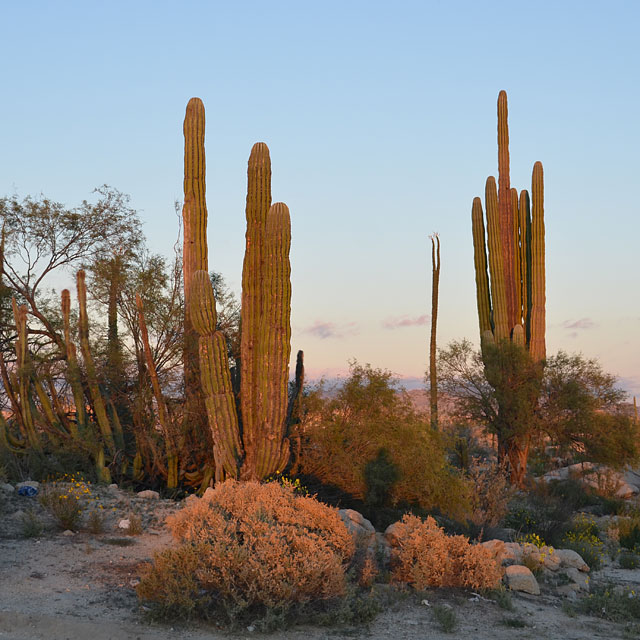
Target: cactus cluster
<point>510,285</point>
<point>249,443</point>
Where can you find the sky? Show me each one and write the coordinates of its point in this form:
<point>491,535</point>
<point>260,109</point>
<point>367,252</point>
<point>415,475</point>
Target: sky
<point>381,122</point>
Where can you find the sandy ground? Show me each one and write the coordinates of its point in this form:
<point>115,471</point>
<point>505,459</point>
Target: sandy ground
<point>59,587</point>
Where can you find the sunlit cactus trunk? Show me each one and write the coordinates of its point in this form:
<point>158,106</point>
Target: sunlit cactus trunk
<point>194,258</point>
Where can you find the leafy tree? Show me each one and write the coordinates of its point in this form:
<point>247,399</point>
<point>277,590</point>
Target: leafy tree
<point>579,406</point>
<point>368,427</point>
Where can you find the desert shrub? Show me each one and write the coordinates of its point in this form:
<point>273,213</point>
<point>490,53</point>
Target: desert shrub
<point>95,522</point>
<point>611,602</point>
<point>62,499</point>
<point>446,617</point>
<point>490,495</point>
<point>32,527</point>
<point>249,547</point>
<point>540,513</point>
<point>345,434</point>
<point>424,556</point>
<point>629,532</point>
<point>135,525</point>
<point>629,560</point>
<point>583,537</point>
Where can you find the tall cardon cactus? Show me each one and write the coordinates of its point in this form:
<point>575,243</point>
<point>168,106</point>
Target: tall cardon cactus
<point>249,443</point>
<point>510,288</point>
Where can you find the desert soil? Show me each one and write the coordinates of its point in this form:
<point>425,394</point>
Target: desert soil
<point>67,587</point>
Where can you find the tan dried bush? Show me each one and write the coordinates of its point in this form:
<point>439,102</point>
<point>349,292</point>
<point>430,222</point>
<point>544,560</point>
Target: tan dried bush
<point>248,545</point>
<point>424,556</point>
<point>491,494</point>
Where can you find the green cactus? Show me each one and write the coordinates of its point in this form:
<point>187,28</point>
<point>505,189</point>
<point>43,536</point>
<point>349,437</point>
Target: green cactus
<point>194,258</point>
<point>512,293</point>
<point>265,318</point>
<point>511,296</point>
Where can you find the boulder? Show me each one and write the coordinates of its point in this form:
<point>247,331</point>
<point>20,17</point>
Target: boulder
<point>505,553</point>
<point>549,558</point>
<point>571,559</point>
<point>519,578</point>
<point>148,494</point>
<point>359,527</point>
<point>579,579</point>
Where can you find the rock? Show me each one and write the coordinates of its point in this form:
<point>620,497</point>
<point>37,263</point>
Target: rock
<point>191,499</point>
<point>512,553</point>
<point>571,559</point>
<point>208,493</point>
<point>17,515</point>
<point>125,523</point>
<point>113,487</point>
<point>519,578</point>
<point>383,550</point>
<point>549,558</point>
<point>626,491</point>
<point>28,483</point>
<point>359,527</point>
<point>579,579</point>
<point>391,534</point>
<point>148,494</point>
<point>5,487</point>
<point>68,533</point>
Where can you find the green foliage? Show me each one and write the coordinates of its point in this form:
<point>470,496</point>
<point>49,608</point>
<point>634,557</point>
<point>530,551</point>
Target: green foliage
<point>611,602</point>
<point>380,474</point>
<point>629,560</point>
<point>446,617</point>
<point>347,430</point>
<point>32,526</point>
<point>629,532</point>
<point>583,537</point>
<point>501,596</point>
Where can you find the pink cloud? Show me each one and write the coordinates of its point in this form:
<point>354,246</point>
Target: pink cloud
<point>405,321</point>
<point>583,323</point>
<point>325,330</point>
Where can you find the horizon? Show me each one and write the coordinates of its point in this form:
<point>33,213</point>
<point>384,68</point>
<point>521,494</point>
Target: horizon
<point>381,122</point>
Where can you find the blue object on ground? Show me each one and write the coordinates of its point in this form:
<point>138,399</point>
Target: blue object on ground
<point>27,491</point>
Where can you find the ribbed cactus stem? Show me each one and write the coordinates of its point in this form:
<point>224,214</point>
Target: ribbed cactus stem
<point>253,304</point>
<point>506,210</point>
<point>90,367</point>
<point>215,378</point>
<point>537,345</point>
<point>275,347</point>
<point>524,215</point>
<point>163,413</point>
<point>483,296</point>
<point>73,370</point>
<point>24,372</point>
<point>517,269</point>
<point>195,256</point>
<point>502,329</point>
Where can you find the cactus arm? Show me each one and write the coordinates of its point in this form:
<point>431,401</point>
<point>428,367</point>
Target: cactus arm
<point>275,348</point>
<point>163,414</point>
<point>92,378</point>
<point>73,370</point>
<point>506,211</point>
<point>215,377</point>
<point>483,296</point>
<point>258,204</point>
<point>498,294</point>
<point>524,214</point>
<point>537,345</point>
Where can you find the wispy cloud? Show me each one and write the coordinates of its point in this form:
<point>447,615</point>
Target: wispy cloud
<point>405,321</point>
<point>326,330</point>
<point>583,323</point>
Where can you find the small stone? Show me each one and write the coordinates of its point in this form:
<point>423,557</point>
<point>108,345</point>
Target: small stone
<point>125,523</point>
<point>6,487</point>
<point>113,487</point>
<point>520,578</point>
<point>68,533</point>
<point>18,515</point>
<point>148,494</point>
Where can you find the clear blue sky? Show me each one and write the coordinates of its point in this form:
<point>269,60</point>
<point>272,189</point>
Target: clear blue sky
<point>381,120</point>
